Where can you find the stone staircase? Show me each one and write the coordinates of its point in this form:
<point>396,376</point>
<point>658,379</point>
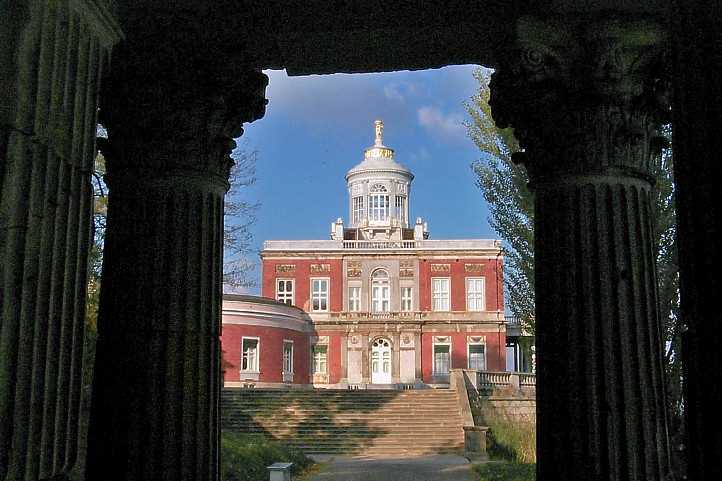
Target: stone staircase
<point>362,423</point>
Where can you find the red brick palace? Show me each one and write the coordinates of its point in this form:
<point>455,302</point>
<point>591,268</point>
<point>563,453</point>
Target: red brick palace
<point>379,304</point>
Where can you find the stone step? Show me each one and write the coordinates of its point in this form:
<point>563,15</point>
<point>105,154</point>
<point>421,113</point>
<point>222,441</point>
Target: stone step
<point>342,423</point>
<point>349,422</point>
<point>328,434</point>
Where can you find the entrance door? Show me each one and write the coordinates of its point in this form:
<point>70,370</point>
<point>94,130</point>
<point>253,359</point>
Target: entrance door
<point>381,362</point>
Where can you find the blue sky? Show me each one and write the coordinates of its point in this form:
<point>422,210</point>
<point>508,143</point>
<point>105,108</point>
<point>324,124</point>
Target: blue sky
<point>316,128</point>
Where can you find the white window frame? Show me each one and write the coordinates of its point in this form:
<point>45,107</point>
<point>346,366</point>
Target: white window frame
<point>354,302</point>
<point>468,354</point>
<point>379,207</point>
<point>384,288</point>
<point>434,372</point>
<point>400,208</point>
<point>314,296</point>
<point>358,209</point>
<point>314,348</point>
<point>407,302</point>
<point>257,359</point>
<point>287,361</point>
<point>285,294</point>
<point>478,300</point>
<point>434,294</point>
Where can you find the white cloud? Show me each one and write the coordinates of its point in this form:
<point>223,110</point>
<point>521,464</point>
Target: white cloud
<point>399,91</point>
<point>440,125</point>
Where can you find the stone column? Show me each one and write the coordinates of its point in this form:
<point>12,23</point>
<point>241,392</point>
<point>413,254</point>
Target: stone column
<point>171,124</point>
<point>697,47</point>
<point>52,57</point>
<point>344,358</point>
<point>585,100</point>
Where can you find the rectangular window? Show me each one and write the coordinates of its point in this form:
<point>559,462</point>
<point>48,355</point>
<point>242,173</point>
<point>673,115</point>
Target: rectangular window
<point>440,294</point>
<point>477,359</point>
<point>249,348</point>
<point>442,359</point>
<point>354,299</point>
<point>474,293</point>
<point>288,357</point>
<point>319,359</point>
<point>511,357</point>
<point>380,297</point>
<point>284,291</point>
<point>358,210</point>
<point>319,295</point>
<point>406,299</point>
<point>379,207</point>
<point>400,210</point>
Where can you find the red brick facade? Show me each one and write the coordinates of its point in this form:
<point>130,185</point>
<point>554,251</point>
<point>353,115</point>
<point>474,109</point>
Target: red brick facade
<point>302,275</point>
<point>372,317</point>
<point>458,271</point>
<point>270,350</point>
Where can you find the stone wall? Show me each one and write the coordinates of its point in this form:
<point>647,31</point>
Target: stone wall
<point>502,404</point>
<point>515,408</point>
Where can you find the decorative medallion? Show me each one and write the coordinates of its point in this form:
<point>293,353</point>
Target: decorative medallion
<point>353,269</point>
<point>407,340</point>
<point>440,268</point>
<point>285,268</point>
<point>320,268</point>
<point>354,340</point>
<point>406,269</point>
<point>476,268</point>
<point>357,189</point>
<point>401,188</point>
<point>318,340</point>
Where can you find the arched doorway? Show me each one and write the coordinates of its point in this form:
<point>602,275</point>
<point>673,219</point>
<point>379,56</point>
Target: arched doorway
<point>381,361</point>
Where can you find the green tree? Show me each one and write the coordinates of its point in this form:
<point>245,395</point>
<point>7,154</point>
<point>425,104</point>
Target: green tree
<point>511,204</point>
<point>504,187</point>
<point>239,216</point>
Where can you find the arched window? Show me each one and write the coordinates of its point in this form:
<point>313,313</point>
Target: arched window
<point>380,291</point>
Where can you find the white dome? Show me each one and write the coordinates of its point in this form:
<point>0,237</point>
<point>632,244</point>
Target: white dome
<point>379,158</point>
<point>379,189</point>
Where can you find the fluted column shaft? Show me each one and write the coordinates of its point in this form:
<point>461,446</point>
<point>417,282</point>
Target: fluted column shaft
<point>157,354</point>
<point>157,377</point>
<point>585,99</point>
<point>53,57</point>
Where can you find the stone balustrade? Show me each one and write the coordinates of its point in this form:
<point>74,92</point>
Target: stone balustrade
<point>501,380</point>
<point>370,244</point>
<point>482,245</point>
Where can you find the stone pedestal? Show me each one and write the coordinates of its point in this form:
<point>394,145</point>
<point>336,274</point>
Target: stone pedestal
<point>52,57</point>
<point>156,391</point>
<point>585,100</point>
<point>475,443</point>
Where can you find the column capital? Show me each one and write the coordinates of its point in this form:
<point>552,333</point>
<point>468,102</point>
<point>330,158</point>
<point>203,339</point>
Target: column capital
<point>585,97</point>
<point>169,118</point>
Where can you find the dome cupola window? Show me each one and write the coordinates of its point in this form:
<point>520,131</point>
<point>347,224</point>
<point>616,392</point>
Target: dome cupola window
<point>379,203</point>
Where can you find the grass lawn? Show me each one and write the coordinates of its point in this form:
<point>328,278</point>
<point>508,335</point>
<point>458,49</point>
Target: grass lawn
<point>244,457</point>
<point>505,471</point>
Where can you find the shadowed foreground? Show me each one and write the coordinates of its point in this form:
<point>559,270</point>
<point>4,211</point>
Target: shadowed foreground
<point>442,467</point>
